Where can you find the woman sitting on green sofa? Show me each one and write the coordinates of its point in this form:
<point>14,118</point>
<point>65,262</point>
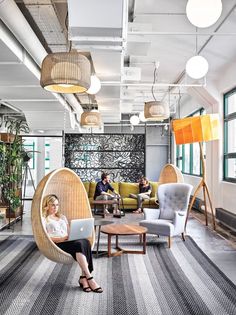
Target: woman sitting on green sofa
<point>145,190</point>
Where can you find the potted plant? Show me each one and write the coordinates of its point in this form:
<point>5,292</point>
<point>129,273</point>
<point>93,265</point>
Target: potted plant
<point>11,167</point>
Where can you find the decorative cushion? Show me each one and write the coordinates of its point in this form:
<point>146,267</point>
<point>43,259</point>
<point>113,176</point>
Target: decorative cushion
<point>92,188</point>
<point>115,185</point>
<point>128,188</point>
<point>86,186</point>
<point>154,188</point>
<point>162,227</point>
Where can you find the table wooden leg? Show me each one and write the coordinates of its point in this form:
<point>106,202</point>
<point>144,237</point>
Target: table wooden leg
<point>109,245</point>
<point>144,243</point>
<point>117,245</point>
<point>98,240</point>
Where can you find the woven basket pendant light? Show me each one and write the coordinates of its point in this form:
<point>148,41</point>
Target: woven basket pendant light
<point>91,119</point>
<point>156,110</point>
<point>66,72</point>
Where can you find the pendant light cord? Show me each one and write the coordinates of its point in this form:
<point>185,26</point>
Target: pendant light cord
<point>154,81</point>
<point>66,26</point>
<point>196,42</point>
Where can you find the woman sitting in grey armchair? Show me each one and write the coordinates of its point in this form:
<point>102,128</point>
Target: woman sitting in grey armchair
<point>145,190</point>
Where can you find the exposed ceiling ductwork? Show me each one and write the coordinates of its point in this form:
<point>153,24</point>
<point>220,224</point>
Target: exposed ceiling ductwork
<point>19,39</point>
<point>124,56</point>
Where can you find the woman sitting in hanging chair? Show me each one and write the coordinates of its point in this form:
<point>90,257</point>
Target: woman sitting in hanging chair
<point>57,228</point>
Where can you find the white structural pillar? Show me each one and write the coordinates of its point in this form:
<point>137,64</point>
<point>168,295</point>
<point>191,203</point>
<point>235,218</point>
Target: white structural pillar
<point>40,159</point>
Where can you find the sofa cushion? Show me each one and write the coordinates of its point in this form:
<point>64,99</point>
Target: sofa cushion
<point>92,188</point>
<point>86,186</point>
<point>128,188</point>
<point>129,201</point>
<point>162,227</point>
<point>115,185</point>
<point>154,188</point>
<point>150,201</point>
<point>91,200</point>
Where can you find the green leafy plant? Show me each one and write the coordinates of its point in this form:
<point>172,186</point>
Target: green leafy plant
<point>12,159</point>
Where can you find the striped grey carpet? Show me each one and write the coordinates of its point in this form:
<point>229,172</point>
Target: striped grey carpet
<point>177,281</point>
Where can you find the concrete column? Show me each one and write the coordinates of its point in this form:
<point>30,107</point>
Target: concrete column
<point>40,159</point>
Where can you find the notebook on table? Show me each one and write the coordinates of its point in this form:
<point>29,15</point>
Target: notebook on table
<point>81,228</point>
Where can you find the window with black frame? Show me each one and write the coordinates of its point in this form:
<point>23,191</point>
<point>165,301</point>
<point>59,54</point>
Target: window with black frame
<point>229,172</point>
<point>188,155</point>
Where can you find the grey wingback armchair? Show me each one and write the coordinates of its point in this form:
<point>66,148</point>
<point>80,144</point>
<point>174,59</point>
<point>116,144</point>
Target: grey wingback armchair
<point>169,219</point>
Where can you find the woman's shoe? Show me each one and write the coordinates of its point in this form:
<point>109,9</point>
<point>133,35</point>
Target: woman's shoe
<point>138,211</point>
<point>96,290</point>
<point>116,214</point>
<point>85,289</point>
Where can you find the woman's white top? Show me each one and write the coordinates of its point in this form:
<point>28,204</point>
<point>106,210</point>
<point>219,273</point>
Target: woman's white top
<point>56,228</point>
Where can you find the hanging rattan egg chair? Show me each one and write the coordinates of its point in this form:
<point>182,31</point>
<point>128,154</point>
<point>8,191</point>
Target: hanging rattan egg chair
<point>74,204</point>
<point>171,174</point>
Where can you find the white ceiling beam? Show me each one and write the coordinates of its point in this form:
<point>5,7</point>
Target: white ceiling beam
<point>19,86</point>
<point>117,83</point>
<point>29,100</point>
<point>11,63</point>
<point>152,33</point>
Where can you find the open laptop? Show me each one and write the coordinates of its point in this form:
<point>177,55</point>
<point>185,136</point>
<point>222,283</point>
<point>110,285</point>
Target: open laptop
<point>81,228</point>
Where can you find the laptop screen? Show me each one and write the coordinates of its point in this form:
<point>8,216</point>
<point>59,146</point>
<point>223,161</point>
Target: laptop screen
<point>81,228</point>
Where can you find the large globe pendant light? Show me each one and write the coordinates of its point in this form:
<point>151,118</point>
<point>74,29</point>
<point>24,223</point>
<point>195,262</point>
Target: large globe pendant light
<point>197,67</point>
<point>203,13</point>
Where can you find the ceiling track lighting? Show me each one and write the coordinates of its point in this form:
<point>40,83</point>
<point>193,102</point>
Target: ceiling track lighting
<point>66,72</point>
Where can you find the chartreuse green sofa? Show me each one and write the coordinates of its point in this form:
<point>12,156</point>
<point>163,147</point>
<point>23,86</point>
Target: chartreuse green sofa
<point>124,189</point>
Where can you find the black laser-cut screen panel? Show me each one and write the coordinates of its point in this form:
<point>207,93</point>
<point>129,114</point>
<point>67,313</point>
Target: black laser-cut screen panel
<point>120,155</point>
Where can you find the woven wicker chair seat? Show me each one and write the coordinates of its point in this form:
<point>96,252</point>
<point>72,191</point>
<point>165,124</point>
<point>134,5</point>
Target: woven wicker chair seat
<point>74,204</point>
<point>171,174</point>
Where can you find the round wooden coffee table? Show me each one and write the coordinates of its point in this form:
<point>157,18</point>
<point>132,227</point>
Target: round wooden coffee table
<point>100,223</point>
<point>124,229</point>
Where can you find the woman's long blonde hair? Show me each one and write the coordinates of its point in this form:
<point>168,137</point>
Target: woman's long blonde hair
<point>49,199</point>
